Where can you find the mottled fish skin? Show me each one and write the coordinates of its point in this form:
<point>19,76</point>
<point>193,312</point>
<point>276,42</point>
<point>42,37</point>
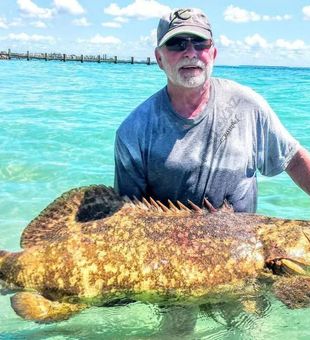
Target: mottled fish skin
<point>148,254</point>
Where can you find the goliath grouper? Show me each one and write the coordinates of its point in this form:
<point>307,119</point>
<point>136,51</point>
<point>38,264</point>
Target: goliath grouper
<point>92,247</point>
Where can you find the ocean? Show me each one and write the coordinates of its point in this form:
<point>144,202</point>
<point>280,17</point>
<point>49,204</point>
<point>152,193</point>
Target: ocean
<point>57,126</point>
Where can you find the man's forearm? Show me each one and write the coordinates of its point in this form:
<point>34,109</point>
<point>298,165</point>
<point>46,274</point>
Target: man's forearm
<point>299,169</point>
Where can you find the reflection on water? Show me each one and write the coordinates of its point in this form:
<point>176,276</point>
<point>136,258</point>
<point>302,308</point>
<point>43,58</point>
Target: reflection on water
<point>260,319</point>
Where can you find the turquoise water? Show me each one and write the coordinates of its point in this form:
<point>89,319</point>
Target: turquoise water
<point>57,125</point>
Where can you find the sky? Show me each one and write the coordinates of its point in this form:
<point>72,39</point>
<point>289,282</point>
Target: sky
<point>263,32</point>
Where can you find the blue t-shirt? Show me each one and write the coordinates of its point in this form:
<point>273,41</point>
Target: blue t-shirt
<point>216,155</point>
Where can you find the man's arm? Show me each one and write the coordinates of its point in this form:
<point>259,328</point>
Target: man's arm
<point>299,169</point>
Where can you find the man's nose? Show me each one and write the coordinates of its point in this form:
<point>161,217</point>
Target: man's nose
<point>190,51</point>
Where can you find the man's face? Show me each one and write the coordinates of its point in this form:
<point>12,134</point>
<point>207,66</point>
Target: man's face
<point>187,60</point>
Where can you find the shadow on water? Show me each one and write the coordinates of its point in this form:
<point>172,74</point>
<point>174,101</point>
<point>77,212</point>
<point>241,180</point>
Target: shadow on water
<point>146,321</point>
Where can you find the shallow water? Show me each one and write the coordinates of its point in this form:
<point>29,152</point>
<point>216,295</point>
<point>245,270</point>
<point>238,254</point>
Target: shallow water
<point>57,125</point>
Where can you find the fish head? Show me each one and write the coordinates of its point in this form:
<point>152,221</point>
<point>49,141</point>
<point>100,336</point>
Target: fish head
<point>287,247</point>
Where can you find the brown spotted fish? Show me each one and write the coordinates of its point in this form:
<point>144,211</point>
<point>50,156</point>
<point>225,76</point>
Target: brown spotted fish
<point>92,247</point>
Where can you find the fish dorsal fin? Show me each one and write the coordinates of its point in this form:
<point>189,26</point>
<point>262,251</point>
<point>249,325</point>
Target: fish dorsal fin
<point>69,211</point>
<point>157,207</point>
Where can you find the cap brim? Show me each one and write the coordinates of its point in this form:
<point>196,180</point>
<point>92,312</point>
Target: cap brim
<point>200,32</point>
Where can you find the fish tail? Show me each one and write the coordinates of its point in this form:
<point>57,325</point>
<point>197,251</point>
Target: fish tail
<point>3,255</point>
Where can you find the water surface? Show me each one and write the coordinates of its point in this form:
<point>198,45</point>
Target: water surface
<point>57,125</point>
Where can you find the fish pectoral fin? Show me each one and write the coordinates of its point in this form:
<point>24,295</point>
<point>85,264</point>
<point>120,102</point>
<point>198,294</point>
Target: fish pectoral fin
<point>294,267</point>
<point>35,307</point>
<point>294,292</point>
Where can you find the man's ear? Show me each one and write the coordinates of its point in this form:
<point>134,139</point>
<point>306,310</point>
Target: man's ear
<point>158,57</point>
<point>214,52</point>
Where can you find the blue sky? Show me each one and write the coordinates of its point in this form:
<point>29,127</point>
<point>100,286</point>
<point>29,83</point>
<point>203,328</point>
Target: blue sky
<point>265,32</point>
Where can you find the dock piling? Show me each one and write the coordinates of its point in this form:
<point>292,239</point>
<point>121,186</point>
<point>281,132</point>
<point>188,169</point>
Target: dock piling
<point>73,57</point>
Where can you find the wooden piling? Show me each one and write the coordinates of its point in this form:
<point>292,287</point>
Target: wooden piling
<point>82,58</point>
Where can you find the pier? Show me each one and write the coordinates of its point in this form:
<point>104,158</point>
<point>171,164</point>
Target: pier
<point>72,57</point>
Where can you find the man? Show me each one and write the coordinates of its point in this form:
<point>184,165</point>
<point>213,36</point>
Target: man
<point>200,136</point>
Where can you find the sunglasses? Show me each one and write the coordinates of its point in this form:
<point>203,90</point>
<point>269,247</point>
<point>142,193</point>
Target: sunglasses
<point>178,44</point>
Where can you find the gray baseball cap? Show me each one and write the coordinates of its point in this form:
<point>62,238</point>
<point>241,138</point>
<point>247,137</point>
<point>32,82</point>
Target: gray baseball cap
<point>183,21</point>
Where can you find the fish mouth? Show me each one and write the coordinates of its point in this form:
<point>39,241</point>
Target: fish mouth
<point>287,266</point>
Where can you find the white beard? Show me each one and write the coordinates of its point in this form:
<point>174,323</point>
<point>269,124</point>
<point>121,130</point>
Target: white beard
<point>193,81</point>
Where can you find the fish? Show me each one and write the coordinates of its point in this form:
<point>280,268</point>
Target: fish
<point>92,247</point>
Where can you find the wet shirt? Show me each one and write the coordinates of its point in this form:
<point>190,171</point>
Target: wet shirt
<point>216,155</point>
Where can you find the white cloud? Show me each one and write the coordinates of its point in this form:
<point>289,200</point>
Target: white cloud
<point>3,23</point>
<point>142,9</point>
<point>256,40</point>
<point>39,24</point>
<point>81,22</point>
<point>16,22</point>
<point>99,39</point>
<point>150,40</point>
<point>224,41</point>
<point>240,15</point>
<point>257,50</point>
<point>24,37</point>
<point>69,6</point>
<point>290,45</point>
<point>276,17</point>
<point>236,14</point>
<point>29,8</point>
<point>306,12</point>
<point>111,24</point>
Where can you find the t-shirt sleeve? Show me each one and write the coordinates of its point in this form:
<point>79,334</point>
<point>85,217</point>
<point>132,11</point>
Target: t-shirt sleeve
<point>276,146</point>
<point>129,178</point>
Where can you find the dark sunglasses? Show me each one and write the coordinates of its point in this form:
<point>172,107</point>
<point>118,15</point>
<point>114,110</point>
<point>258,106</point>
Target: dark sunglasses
<point>179,44</point>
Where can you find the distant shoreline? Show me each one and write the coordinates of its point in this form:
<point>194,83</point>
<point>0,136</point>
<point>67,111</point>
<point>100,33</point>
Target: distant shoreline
<point>72,57</point>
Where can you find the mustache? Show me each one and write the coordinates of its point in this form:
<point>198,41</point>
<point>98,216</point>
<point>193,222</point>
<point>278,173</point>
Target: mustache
<point>191,62</point>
